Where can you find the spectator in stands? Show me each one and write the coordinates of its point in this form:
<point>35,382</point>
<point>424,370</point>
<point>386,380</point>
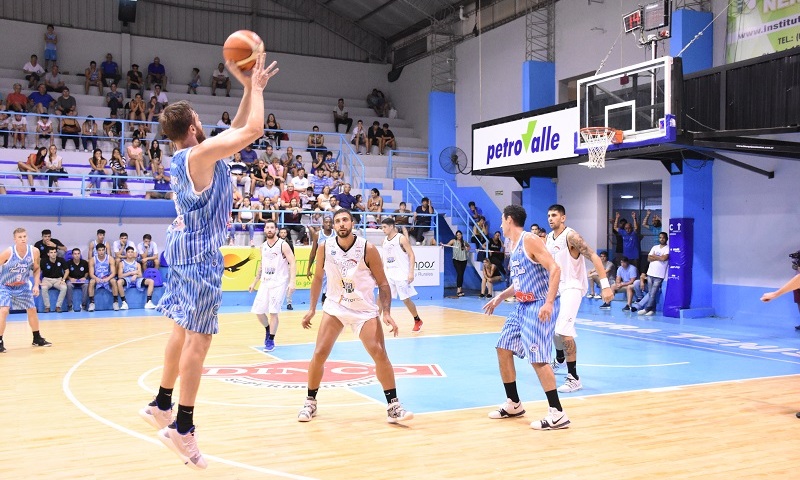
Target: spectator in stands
<point>114,99</point>
<point>54,274</point>
<point>119,170</point>
<point>155,154</point>
<point>258,175</point>
<point>375,203</point>
<point>16,100</point>
<point>33,165</point>
<point>287,159</point>
<point>65,103</point>
<point>346,199</point>
<point>359,136</point>
<point>40,101</point>
<point>101,275</point>
<point>496,256</point>
<point>55,165</point>
<point>119,246</point>
<point>5,125</point>
<point>33,71</point>
<point>630,238</point>
<point>19,129</point>
<point>53,81</point>
<point>422,222</point>
<point>239,173</point>
<point>341,116</point>
<point>375,137</point>
<point>626,275</point>
<point>98,172</point>
<point>300,180</point>
<point>44,129</point>
<point>48,241</point>
<point>93,78</point>
<point>288,195</point>
<point>460,250</point>
<point>135,156</point>
<point>315,143</point>
<point>402,218</point>
<point>245,216</point>
<point>50,46</point>
<point>318,164</point>
<point>377,102</point>
<point>475,211</point>
<point>220,79</point>
<point>268,156</point>
<point>161,97</point>
<point>160,184</point>
<point>324,199</point>
<point>154,109</point>
<point>298,161</point>
<point>269,197</point>
<point>137,108</point>
<point>277,172</point>
<point>321,180</point>
<point>480,237</point>
<point>134,80</point>
<point>147,251</point>
<point>594,278</point>
<point>249,156</point>
<point>89,134</point>
<point>112,128</point>
<point>223,124</point>
<point>78,275</point>
<point>156,74</point>
<point>388,139</point>
<point>273,131</point>
<point>140,133</point>
<point>293,222</point>
<point>110,71</point>
<point>489,278</point>
<point>334,205</point>
<point>70,130</point>
<point>99,239</point>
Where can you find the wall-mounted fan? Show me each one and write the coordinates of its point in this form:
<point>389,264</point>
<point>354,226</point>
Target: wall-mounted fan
<point>454,160</point>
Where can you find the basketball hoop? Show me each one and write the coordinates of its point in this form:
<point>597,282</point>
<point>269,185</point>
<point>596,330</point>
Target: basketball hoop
<point>597,141</point>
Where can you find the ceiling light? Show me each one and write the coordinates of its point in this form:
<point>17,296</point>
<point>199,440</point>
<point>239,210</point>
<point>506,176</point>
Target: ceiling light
<point>626,197</point>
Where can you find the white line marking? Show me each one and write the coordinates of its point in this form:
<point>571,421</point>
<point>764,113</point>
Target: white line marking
<point>634,366</point>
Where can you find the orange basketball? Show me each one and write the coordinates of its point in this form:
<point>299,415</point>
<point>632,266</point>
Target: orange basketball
<point>243,47</point>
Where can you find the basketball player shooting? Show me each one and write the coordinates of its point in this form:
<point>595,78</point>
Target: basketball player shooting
<point>203,200</point>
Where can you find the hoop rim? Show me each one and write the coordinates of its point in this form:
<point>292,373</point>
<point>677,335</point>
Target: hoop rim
<point>613,134</point>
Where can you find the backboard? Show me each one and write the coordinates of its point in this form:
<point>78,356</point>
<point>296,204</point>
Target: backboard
<point>642,100</point>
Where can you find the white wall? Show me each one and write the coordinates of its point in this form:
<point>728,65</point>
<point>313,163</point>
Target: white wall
<point>409,95</point>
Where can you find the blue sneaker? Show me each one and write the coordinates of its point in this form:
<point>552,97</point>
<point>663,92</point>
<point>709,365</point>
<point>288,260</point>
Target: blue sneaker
<point>269,345</point>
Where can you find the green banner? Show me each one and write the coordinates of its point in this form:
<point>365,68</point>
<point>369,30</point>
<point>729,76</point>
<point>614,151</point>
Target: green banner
<point>759,27</point>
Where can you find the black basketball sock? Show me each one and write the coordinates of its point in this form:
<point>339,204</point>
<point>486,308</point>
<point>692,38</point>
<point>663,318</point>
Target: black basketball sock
<point>272,336</point>
<point>511,391</point>
<point>560,357</point>
<point>164,398</point>
<point>185,418</point>
<point>313,393</point>
<point>552,399</point>
<point>36,335</point>
<point>572,368</point>
<point>391,394</point>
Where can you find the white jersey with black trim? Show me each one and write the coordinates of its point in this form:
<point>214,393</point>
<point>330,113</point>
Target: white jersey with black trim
<point>395,259</point>
<point>274,268</point>
<point>350,281</point>
<point>573,270</point>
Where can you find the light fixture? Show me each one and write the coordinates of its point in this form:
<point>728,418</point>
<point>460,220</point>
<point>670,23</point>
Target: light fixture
<point>626,197</point>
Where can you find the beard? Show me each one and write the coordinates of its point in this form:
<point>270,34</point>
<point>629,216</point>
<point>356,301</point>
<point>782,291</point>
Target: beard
<point>269,235</point>
<point>200,136</point>
<point>344,233</point>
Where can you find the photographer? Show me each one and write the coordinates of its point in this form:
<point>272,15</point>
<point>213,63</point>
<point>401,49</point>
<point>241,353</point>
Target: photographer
<point>793,284</point>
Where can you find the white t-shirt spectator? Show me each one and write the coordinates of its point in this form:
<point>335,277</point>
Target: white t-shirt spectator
<point>658,268</point>
<point>300,184</point>
<point>161,98</point>
<point>28,68</point>
<point>117,247</point>
<point>140,248</point>
<point>220,76</point>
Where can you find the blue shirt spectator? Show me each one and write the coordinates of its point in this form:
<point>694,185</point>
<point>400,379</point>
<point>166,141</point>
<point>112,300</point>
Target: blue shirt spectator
<point>627,271</point>
<point>346,200</point>
<point>41,97</point>
<point>249,155</point>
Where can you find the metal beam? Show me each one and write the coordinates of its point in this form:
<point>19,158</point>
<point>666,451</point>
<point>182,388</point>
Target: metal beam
<point>697,5</point>
<point>373,12</point>
<point>540,30</point>
<point>737,163</point>
<point>373,45</point>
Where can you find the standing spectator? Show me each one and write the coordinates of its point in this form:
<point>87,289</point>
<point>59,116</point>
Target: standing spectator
<point>119,170</point>
<point>650,232</point>
<point>135,156</point>
<point>53,81</point>
<point>48,241</point>
<point>375,137</point>
<point>89,134</point>
<point>629,233</point>
<point>480,237</point>
<point>137,108</point>
<point>33,72</point>
<point>54,274</point>
<point>98,170</point>
<point>273,132</point>
<point>341,116</point>
<point>34,164</point>
<point>19,129</point>
<point>656,273</point>
<point>134,77</point>
<point>594,278</point>
<point>148,252</point>
<point>316,143</point>
<point>50,46</point>
<point>194,81</point>
<point>16,100</point>
<point>70,130</point>
<point>110,71</point>
<point>44,129</point>
<point>220,79</point>
<point>156,74</point>
<point>40,101</point>
<point>422,220</point>
<point>388,138</point>
<point>65,103</point>
<point>114,99</point>
<point>78,275</point>
<point>161,187</point>
<point>93,78</point>
<point>359,136</point>
<point>460,250</point>
<point>55,165</point>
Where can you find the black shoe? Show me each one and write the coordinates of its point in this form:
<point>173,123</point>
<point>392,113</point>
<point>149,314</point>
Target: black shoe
<point>481,295</point>
<point>605,306</point>
<point>797,327</point>
<point>289,306</point>
<point>460,294</point>
<point>3,350</point>
<point>41,342</point>
<point>2,347</point>
<point>626,308</point>
<point>488,295</point>
<point>634,309</point>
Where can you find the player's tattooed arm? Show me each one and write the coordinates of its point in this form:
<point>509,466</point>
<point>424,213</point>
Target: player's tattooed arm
<point>578,243</point>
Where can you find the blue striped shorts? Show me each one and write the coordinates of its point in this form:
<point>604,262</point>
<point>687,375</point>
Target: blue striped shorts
<point>17,298</point>
<point>193,294</point>
<point>526,335</point>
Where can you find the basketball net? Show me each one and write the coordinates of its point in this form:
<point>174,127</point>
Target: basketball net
<point>597,141</point>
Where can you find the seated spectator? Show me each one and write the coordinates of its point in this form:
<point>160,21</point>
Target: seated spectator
<point>324,199</point>
<point>422,223</point>
<point>119,170</point>
<point>129,274</point>
<point>54,274</point>
<point>346,200</point>
<point>293,222</point>
<point>101,275</point>
<point>377,102</point>
<point>65,103</point>
<point>594,278</point>
<point>5,125</point>
<point>98,172</point>
<point>475,211</point>
<point>54,164</point>
<point>341,116</point>
<point>33,165</point>
<point>156,74</point>
<point>160,96</point>
<point>300,180</point>
<point>147,251</point>
<point>119,246</point>
<point>249,156</point>
<point>288,195</point>
<point>160,184</point>
<point>50,46</point>
<point>78,276</point>
<point>110,71</point>
<point>223,124</point>
<point>337,176</point>
<point>277,172</point>
<point>334,204</point>
<point>220,79</point>
<point>489,277</point>
<point>93,78</point>
<point>245,216</point>
<point>375,137</point>
<point>134,80</point>
<point>112,128</point>
<point>154,109</point>
<point>626,275</point>
<point>273,131</point>
<point>53,81</point>
<point>318,164</point>
<point>140,133</point>
<point>137,109</point>
<point>268,156</point>
<point>358,206</point>
<point>44,129</point>
<point>48,241</point>
<point>99,239</point>
<point>637,292</point>
<point>287,159</point>
<point>375,203</point>
<point>194,81</point>
<point>135,156</point>
<point>89,134</point>
<point>40,101</point>
<point>321,180</point>
<point>114,99</point>
<point>240,175</point>
<point>19,127</point>
<point>155,154</point>
<point>70,130</point>
<point>258,176</point>
<point>402,218</point>
<point>269,198</point>
<point>16,100</point>
<point>33,72</point>
<point>315,143</point>
<point>359,137</point>
<point>388,138</point>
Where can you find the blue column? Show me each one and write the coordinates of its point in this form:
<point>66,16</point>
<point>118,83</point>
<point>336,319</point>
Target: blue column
<point>537,198</point>
<point>538,91</point>
<point>441,132</point>
<point>685,25</point>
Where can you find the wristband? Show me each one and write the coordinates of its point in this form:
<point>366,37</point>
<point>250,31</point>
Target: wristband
<point>604,283</point>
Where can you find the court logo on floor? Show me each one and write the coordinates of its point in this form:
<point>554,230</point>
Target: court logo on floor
<point>294,373</point>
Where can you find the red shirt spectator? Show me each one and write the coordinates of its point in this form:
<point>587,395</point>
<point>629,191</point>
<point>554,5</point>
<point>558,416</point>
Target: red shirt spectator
<point>17,100</point>
<point>288,194</point>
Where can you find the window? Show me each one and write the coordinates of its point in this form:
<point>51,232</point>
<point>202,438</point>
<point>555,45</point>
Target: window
<point>638,198</point>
